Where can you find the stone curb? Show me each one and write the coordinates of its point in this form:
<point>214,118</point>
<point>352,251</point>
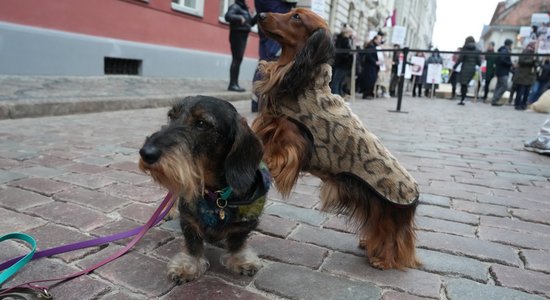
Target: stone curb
<point>55,107</point>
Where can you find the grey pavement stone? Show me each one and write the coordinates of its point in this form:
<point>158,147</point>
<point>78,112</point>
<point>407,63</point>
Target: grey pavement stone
<point>462,289</point>
<point>18,199</point>
<point>42,186</point>
<point>437,225</point>
<point>340,223</point>
<point>412,281</point>
<point>334,240</point>
<point>470,247</point>
<point>514,225</point>
<point>92,199</point>
<point>392,295</point>
<point>273,225</point>
<point>525,280</point>
<point>207,288</point>
<point>71,215</point>
<point>447,214</point>
<point>301,283</point>
<point>452,265</point>
<point>519,239</point>
<point>145,194</point>
<point>537,260</point>
<point>538,216</point>
<point>299,214</point>
<point>89,181</point>
<point>14,221</point>
<point>7,176</point>
<point>288,251</point>
<point>435,200</point>
<point>480,208</point>
<point>40,171</point>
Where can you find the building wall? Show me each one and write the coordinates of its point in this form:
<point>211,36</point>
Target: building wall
<point>113,27</point>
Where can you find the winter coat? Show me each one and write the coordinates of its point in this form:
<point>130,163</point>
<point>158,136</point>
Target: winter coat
<point>234,16</point>
<point>343,60</point>
<point>525,72</point>
<point>503,62</point>
<point>469,61</point>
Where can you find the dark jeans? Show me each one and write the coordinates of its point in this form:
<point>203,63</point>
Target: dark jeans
<point>463,91</point>
<point>522,93</point>
<point>455,78</point>
<point>237,39</point>
<point>502,85</point>
<point>338,80</point>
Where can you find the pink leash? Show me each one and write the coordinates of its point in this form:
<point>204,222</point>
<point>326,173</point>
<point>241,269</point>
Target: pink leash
<point>139,232</point>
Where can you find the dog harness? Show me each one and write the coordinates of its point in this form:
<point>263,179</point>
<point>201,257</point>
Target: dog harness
<point>342,145</point>
<point>218,209</point>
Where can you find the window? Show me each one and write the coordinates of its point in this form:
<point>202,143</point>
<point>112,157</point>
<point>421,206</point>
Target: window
<point>224,4</point>
<point>194,7</point>
<point>121,66</point>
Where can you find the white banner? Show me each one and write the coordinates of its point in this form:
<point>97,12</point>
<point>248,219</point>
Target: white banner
<point>434,73</point>
<point>417,65</point>
<point>398,35</point>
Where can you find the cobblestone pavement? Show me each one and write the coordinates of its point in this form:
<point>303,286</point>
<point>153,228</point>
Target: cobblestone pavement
<point>483,221</point>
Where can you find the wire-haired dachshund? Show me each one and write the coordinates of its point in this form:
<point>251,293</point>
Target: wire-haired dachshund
<point>303,127</point>
<point>209,156</point>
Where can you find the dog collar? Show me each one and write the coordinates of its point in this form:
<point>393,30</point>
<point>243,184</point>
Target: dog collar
<point>217,209</point>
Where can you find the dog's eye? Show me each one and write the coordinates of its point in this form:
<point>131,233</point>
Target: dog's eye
<point>296,17</point>
<point>201,124</point>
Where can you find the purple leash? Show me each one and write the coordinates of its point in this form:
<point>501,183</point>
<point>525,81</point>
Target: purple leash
<point>84,244</point>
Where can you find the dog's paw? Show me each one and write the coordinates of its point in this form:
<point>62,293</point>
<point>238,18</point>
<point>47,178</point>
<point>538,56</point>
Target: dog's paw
<point>380,263</point>
<point>244,262</point>
<point>184,268</point>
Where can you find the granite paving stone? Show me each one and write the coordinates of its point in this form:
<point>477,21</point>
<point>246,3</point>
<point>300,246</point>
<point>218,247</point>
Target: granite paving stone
<point>462,289</point>
<point>297,282</point>
<point>482,219</point>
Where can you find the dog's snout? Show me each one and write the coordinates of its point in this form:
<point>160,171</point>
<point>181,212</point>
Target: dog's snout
<point>150,153</point>
<point>262,16</point>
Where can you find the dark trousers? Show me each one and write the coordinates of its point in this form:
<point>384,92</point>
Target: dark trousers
<point>522,93</point>
<point>338,79</point>
<point>455,78</point>
<point>237,39</point>
<point>463,91</point>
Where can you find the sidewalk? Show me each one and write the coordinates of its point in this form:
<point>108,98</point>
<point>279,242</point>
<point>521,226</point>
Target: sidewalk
<point>36,96</point>
<point>483,222</point>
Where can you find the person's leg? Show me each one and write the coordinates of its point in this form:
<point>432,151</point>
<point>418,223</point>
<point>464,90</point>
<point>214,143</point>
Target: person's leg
<point>502,83</point>
<point>533,95</point>
<point>541,144</point>
<point>463,90</point>
<point>238,46</point>
<point>336,83</point>
<point>519,94</point>
<point>486,87</point>
<point>525,96</point>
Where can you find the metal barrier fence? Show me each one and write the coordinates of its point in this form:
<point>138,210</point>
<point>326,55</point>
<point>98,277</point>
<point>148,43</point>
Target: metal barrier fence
<point>406,51</point>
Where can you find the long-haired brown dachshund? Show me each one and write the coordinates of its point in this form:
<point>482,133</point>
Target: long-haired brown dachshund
<point>305,128</point>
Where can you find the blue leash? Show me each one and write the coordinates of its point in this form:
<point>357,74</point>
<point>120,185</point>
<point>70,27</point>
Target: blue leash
<point>23,261</point>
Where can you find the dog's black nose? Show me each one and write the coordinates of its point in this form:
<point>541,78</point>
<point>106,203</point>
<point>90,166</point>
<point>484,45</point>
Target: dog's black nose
<point>262,16</point>
<point>150,154</point>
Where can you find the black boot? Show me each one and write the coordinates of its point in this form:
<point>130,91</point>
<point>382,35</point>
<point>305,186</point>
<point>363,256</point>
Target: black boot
<point>234,78</point>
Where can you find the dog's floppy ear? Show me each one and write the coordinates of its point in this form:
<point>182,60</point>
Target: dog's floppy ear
<point>243,159</point>
<point>319,49</point>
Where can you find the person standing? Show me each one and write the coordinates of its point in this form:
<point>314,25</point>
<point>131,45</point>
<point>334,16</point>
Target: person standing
<point>371,66</point>
<point>489,69</point>
<point>525,76</point>
<point>469,59</point>
<point>240,24</point>
<point>434,59</point>
<point>269,49</point>
<point>503,65</point>
<point>342,61</point>
<point>455,74</point>
<point>394,79</point>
